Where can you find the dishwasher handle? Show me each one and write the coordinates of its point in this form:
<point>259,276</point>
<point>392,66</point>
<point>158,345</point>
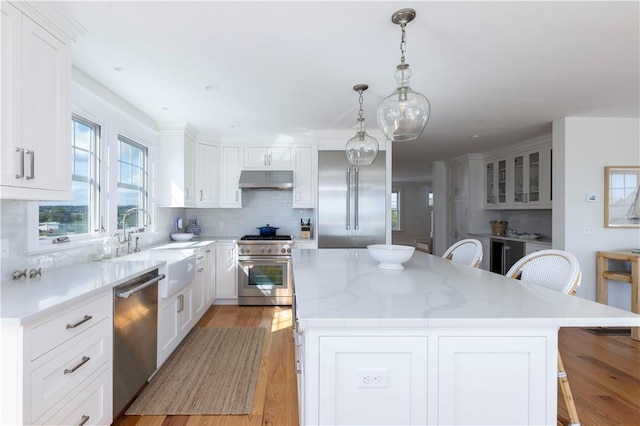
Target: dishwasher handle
<point>131,292</point>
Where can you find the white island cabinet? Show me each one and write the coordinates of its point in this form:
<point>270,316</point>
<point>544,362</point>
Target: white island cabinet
<point>436,343</point>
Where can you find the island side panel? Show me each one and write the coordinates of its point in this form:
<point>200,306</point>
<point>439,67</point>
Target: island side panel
<point>429,376</point>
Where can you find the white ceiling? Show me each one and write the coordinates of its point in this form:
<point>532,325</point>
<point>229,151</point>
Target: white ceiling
<point>503,70</point>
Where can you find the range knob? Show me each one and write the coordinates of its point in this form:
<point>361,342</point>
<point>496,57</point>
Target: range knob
<point>269,251</point>
<point>283,250</point>
<point>289,250</point>
<point>261,250</point>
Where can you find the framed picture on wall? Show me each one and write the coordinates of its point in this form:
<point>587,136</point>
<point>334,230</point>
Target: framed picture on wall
<point>622,197</point>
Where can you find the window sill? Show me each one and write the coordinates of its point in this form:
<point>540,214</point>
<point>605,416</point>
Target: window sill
<point>73,244</point>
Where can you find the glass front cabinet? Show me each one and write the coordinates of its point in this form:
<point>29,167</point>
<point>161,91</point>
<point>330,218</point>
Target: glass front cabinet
<point>519,181</point>
<point>496,183</point>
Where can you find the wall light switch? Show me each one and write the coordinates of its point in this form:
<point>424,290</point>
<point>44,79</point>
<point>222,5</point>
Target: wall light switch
<point>590,198</point>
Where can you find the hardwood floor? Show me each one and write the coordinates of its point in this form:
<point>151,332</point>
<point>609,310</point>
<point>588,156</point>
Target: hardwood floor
<point>604,373</point>
<point>276,398</point>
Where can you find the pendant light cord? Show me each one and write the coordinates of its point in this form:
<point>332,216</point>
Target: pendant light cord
<point>403,42</point>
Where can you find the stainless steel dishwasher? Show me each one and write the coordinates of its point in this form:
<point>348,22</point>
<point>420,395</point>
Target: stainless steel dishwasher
<point>135,336</point>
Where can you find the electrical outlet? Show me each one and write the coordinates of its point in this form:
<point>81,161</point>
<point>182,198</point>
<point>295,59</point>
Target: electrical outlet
<point>372,377</point>
<point>588,230</point>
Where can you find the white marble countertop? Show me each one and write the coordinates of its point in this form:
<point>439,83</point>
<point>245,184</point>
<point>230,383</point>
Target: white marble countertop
<point>345,288</point>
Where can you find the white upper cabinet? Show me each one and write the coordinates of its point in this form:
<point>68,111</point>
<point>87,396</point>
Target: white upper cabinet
<point>230,194</point>
<point>36,110</point>
<point>304,177</point>
<point>175,186</point>
<point>520,179</point>
<point>207,175</point>
<point>267,157</point>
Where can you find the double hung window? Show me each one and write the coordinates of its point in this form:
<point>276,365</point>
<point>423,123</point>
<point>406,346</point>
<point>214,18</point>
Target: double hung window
<point>81,216</point>
<point>133,176</point>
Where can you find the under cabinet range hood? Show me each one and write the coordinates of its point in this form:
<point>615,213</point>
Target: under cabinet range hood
<point>266,179</point>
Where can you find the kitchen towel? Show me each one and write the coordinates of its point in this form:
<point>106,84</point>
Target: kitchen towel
<point>213,371</point>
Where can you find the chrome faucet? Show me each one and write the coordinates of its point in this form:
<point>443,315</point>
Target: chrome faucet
<point>124,229</point>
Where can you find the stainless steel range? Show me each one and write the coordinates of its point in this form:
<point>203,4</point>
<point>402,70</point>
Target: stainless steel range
<point>264,270</point>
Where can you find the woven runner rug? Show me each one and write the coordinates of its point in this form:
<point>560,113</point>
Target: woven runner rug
<point>213,371</point>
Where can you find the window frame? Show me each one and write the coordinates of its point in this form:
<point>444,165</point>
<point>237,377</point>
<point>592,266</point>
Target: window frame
<point>94,179</point>
<point>111,124</point>
<point>144,197</point>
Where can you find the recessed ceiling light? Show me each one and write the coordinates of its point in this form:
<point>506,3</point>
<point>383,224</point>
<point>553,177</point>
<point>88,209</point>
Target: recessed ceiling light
<point>475,136</point>
<point>118,69</point>
<point>212,88</point>
<point>165,108</point>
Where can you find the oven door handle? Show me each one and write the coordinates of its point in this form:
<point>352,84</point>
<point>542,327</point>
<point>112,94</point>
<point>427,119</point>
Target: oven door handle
<point>272,259</point>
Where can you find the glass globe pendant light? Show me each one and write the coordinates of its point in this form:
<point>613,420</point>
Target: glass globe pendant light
<point>361,149</point>
<point>403,114</point>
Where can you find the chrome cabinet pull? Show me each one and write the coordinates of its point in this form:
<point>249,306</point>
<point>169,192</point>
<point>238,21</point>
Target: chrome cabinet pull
<point>83,320</point>
<point>33,160</point>
<point>85,359</point>
<point>181,304</point>
<point>236,195</point>
<point>84,419</point>
<point>200,269</point>
<point>186,193</point>
<point>201,195</point>
<point>21,151</point>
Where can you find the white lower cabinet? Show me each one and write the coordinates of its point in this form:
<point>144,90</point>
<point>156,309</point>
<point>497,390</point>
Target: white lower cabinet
<point>175,319</point>
<point>199,286</point>
<point>492,380</point>
<point>427,376</point>
<point>226,271</point>
<point>210,253</point>
<point>47,363</point>
<point>486,252</point>
<point>88,406</point>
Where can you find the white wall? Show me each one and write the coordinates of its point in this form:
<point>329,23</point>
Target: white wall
<point>582,147</point>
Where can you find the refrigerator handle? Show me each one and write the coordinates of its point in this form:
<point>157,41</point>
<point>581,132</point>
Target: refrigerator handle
<point>348,198</point>
<point>356,187</point>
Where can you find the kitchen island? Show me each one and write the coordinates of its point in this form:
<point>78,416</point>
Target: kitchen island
<point>434,343</point>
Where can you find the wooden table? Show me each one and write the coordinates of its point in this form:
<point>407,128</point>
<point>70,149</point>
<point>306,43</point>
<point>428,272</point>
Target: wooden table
<point>603,275</point>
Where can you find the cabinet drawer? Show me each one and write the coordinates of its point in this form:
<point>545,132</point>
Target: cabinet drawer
<point>70,323</point>
<point>67,367</point>
<point>90,405</point>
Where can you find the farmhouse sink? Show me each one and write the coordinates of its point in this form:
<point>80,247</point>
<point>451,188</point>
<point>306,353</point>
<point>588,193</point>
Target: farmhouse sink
<point>180,268</point>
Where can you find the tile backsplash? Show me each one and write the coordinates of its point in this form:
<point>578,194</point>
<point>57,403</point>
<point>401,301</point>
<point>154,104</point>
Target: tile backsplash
<point>259,208</point>
<point>529,221</point>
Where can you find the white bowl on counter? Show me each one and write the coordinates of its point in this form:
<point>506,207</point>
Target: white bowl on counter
<point>390,256</point>
<point>181,236</point>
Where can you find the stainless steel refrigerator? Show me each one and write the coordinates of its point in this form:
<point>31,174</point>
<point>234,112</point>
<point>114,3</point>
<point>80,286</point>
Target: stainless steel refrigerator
<point>351,201</point>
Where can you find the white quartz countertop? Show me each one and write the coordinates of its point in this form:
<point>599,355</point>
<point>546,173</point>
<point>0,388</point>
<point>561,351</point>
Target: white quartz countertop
<point>26,300</point>
<point>542,240</point>
<point>345,288</point>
